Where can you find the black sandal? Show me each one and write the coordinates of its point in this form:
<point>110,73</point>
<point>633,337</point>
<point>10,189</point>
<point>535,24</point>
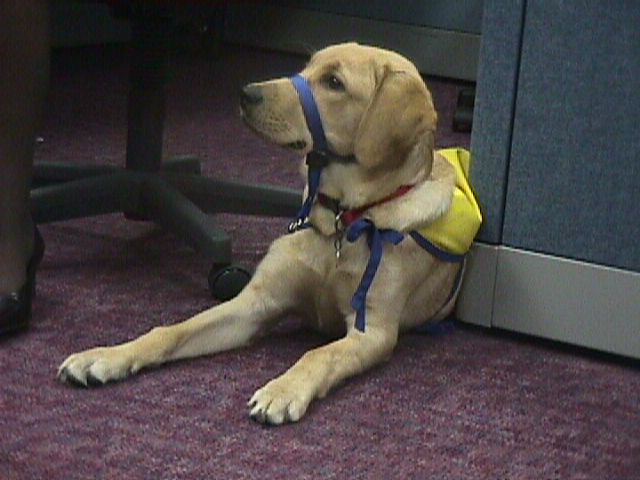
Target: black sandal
<point>15,307</point>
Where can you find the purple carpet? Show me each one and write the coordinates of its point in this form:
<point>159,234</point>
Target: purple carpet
<point>468,404</point>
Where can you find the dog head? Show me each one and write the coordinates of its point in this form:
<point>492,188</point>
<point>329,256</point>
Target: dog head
<point>373,105</point>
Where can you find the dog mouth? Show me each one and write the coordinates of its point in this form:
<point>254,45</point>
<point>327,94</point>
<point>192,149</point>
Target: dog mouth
<point>267,135</point>
<point>297,145</point>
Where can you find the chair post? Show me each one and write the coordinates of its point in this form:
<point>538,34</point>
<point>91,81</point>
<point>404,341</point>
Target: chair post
<point>151,28</point>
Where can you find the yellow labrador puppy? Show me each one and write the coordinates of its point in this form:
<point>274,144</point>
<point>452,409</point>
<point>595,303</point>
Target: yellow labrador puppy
<point>351,264</point>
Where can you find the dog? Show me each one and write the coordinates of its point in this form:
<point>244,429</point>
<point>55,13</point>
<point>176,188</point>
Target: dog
<point>353,264</point>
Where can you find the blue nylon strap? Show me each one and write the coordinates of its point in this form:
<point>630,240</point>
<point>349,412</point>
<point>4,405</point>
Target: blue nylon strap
<point>376,239</point>
<point>314,123</point>
<point>311,113</point>
<point>313,180</point>
<point>436,251</point>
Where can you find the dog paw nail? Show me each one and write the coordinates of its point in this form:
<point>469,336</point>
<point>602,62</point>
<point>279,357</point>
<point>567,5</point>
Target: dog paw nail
<point>67,377</point>
<point>94,381</point>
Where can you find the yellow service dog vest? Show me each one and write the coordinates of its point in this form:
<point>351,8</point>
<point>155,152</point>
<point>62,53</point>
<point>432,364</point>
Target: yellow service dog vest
<point>455,230</point>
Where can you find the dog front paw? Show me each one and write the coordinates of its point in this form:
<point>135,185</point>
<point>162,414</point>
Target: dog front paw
<point>95,367</point>
<point>279,402</point>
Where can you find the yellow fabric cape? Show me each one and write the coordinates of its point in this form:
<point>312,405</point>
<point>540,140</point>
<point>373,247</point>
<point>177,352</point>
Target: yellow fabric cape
<point>455,230</point>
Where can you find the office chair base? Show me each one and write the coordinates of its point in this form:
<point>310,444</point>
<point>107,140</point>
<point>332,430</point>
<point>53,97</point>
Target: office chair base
<point>172,194</point>
<point>177,198</point>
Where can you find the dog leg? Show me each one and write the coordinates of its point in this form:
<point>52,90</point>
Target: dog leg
<point>233,324</point>
<point>286,398</point>
<point>229,325</point>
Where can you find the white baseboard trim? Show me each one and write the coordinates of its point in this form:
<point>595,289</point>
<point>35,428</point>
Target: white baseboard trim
<point>439,52</point>
<point>576,302</point>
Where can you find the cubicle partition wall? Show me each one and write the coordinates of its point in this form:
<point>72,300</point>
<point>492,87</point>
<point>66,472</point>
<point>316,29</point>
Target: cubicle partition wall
<point>556,146</point>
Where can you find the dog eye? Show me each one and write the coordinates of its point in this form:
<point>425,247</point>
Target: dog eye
<point>333,83</point>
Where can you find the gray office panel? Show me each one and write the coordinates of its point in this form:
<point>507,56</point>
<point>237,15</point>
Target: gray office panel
<point>494,105</point>
<point>573,187</point>
<point>576,302</point>
<point>552,297</point>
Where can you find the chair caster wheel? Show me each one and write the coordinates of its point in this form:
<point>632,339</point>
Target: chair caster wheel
<point>227,282</point>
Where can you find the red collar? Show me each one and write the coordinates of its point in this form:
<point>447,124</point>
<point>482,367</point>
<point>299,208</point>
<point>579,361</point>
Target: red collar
<point>348,216</point>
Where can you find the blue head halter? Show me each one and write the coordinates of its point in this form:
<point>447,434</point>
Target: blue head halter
<point>311,113</point>
<point>320,156</point>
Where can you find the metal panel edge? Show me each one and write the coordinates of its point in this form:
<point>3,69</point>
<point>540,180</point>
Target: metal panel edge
<point>495,103</point>
<point>475,303</point>
<point>567,300</point>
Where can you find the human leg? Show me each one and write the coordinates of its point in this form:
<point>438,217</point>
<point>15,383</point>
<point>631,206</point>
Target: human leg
<point>24,77</point>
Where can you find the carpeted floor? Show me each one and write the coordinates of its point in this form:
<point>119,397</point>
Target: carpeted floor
<point>468,404</point>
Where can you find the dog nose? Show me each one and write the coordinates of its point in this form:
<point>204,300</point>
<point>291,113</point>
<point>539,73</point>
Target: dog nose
<point>250,96</point>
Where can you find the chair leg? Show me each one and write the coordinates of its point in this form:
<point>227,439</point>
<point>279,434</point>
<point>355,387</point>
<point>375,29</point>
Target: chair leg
<point>151,29</point>
<point>214,196</point>
<point>85,197</point>
<point>47,173</point>
<point>171,209</point>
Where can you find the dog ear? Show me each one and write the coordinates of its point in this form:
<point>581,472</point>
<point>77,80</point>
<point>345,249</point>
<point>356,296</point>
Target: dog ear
<point>399,118</point>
